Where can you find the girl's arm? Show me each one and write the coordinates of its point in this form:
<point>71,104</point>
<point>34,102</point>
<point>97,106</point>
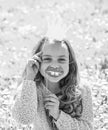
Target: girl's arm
<point>66,122</point>
<point>25,107</point>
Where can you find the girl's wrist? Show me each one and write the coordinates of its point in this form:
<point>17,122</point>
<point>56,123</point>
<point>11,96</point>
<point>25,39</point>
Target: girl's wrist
<point>56,118</point>
<point>29,77</point>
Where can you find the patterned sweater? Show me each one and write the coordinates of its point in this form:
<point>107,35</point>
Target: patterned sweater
<point>29,109</point>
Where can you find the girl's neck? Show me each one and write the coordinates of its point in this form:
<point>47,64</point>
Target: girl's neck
<point>53,87</point>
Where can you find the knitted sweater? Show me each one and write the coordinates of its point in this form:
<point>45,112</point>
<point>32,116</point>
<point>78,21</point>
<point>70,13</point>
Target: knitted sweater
<point>29,109</point>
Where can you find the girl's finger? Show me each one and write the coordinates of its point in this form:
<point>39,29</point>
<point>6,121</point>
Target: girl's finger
<point>50,100</point>
<point>49,104</point>
<point>53,100</point>
<point>39,53</point>
<point>35,57</point>
<point>52,96</point>
<point>36,65</point>
<point>33,62</point>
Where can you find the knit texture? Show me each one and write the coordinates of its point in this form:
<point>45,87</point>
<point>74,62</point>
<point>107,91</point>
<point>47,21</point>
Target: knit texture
<point>29,108</point>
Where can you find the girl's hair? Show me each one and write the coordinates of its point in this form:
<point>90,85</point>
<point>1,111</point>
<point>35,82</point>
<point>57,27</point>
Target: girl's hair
<point>71,100</point>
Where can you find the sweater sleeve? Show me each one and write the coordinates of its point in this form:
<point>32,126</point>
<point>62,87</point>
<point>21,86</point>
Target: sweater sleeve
<point>66,122</point>
<point>25,107</point>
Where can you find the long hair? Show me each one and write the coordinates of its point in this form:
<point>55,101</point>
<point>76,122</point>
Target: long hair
<point>71,100</point>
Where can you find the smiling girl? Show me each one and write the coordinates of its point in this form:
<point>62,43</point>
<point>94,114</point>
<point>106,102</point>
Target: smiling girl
<point>51,97</point>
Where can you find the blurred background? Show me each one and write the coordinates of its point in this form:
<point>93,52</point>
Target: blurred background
<point>24,22</point>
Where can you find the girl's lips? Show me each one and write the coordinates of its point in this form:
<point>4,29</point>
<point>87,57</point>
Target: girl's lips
<point>57,69</point>
<point>54,74</point>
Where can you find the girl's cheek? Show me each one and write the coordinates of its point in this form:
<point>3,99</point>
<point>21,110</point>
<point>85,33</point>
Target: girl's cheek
<point>66,67</point>
<point>43,68</point>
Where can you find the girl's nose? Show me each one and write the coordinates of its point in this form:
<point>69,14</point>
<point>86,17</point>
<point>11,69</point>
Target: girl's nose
<point>54,66</point>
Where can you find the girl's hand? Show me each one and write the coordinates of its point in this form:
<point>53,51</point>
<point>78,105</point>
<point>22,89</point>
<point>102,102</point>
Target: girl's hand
<point>32,66</point>
<point>52,105</point>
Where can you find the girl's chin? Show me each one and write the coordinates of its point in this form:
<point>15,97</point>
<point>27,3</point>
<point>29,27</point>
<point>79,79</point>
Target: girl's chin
<point>54,79</point>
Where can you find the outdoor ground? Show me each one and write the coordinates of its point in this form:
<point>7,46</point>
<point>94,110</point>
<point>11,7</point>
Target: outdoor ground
<point>85,25</point>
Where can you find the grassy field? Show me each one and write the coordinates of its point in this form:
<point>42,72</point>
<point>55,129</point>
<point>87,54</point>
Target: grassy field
<point>24,22</point>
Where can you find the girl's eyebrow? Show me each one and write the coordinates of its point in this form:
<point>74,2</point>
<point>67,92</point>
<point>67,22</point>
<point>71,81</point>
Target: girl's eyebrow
<point>62,56</point>
<point>47,55</point>
<point>58,56</point>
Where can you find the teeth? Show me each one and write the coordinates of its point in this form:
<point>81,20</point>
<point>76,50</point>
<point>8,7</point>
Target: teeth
<point>54,73</point>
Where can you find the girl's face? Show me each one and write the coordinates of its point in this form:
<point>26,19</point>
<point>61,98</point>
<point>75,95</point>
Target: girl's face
<point>55,61</point>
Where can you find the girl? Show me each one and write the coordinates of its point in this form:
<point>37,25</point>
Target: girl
<point>51,97</point>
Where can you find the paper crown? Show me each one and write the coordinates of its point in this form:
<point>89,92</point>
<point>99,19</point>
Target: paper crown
<point>56,28</point>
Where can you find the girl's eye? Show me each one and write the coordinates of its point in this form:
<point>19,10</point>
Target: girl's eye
<point>46,59</point>
<point>62,60</point>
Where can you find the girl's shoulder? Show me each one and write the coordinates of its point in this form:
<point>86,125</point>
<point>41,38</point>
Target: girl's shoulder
<point>85,90</point>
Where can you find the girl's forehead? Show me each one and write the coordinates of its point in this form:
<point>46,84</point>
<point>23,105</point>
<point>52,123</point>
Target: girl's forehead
<point>55,47</point>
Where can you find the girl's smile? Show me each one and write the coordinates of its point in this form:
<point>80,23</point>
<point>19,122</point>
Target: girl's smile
<point>54,72</point>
